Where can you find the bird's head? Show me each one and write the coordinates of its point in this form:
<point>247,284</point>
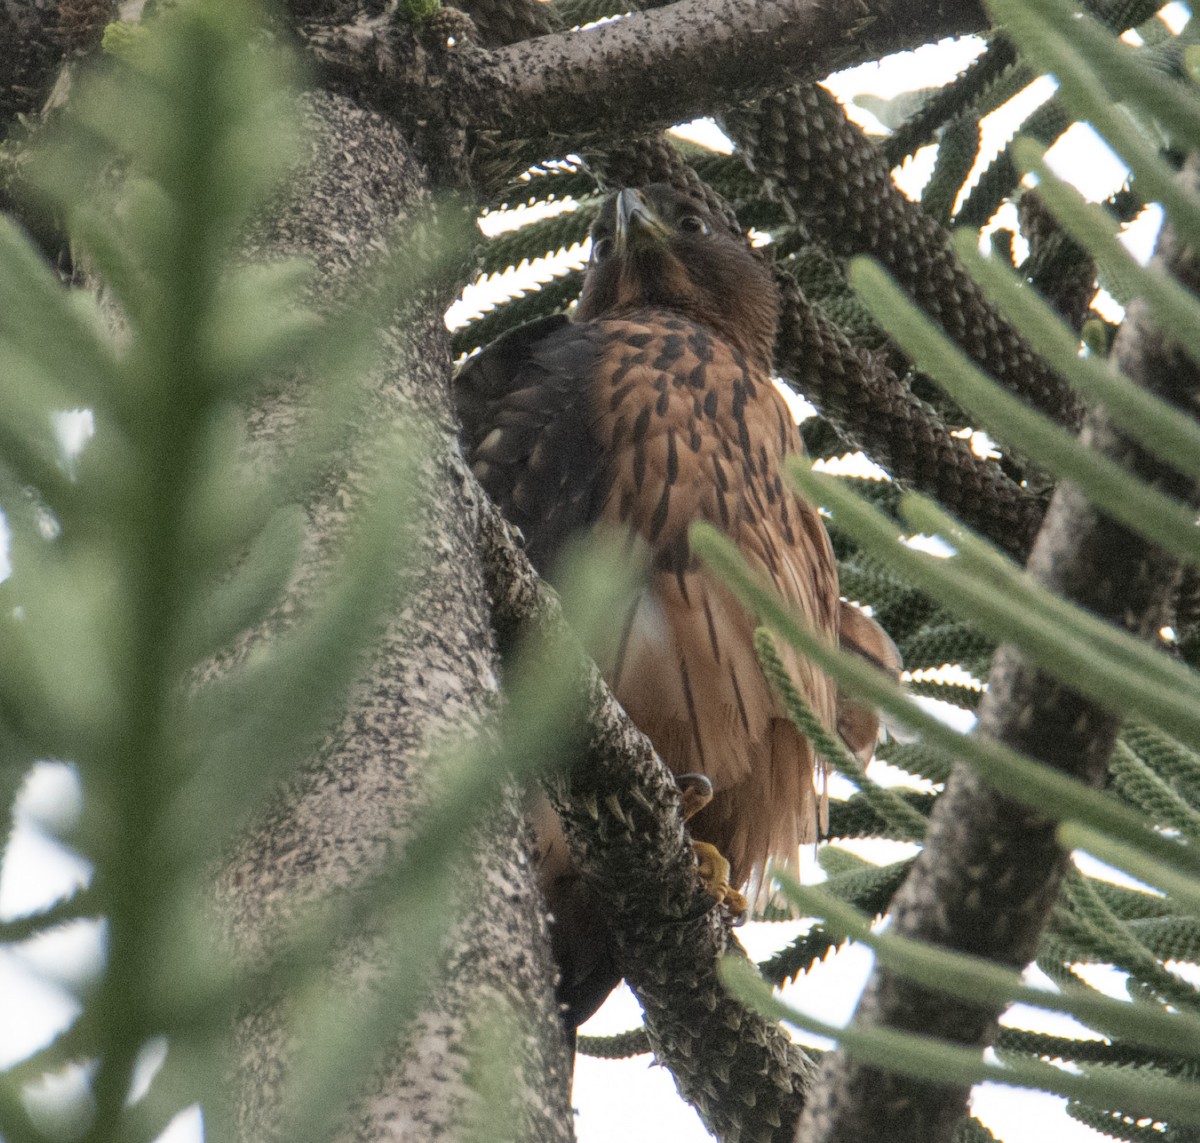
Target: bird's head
<point>659,247</point>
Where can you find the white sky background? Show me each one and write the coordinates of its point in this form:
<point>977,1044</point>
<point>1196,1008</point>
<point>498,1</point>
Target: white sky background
<point>632,1101</point>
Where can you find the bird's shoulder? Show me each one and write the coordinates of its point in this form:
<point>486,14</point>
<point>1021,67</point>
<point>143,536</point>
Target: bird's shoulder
<point>547,355</point>
<point>525,421</point>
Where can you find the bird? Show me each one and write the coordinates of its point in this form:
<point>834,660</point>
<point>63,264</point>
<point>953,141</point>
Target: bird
<point>649,408</point>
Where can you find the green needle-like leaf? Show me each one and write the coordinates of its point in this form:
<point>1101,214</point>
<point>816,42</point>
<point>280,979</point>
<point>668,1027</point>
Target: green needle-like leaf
<point>933,1060</point>
<point>1134,860</point>
<point>32,300</point>
<point>256,587</point>
<point>1080,87</point>
<point>1174,305</point>
<point>972,978</point>
<point>1125,75</point>
<point>1135,504</point>
<point>1159,426</point>
<point>908,822</point>
<point>259,329</point>
<point>246,731</point>
<point>1101,660</point>
<point>1012,774</point>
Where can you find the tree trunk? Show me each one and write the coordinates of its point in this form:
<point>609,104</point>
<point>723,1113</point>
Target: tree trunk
<point>434,671</point>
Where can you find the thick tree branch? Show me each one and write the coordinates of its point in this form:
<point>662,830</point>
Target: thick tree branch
<point>619,807</point>
<point>641,72</point>
<point>630,77</point>
<point>991,868</point>
<point>431,673</point>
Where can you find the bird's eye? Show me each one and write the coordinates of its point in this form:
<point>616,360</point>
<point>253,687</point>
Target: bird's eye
<point>602,247</point>
<point>693,224</point>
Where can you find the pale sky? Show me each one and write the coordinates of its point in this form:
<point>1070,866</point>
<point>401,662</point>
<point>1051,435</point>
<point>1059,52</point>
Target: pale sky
<point>633,1101</point>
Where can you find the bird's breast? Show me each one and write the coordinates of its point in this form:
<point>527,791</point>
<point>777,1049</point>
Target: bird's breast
<point>692,432</point>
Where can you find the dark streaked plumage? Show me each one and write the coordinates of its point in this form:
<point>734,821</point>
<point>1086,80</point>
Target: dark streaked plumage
<point>652,409</point>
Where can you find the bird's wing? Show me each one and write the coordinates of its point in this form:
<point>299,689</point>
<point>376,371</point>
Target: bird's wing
<point>523,406</point>
<point>579,936</point>
<point>857,722</point>
<point>640,427</point>
<point>524,411</point>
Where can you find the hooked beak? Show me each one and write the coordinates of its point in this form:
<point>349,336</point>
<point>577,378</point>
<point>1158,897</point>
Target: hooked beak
<point>637,223</point>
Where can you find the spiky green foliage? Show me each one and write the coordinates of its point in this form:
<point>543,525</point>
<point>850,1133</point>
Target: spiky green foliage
<point>418,11</point>
<point>953,612</point>
<point>958,148</point>
<point>554,297</point>
<point>617,1047</point>
<point>869,889</point>
<point>854,817</point>
<point>1096,922</point>
<point>166,549</point>
<point>540,239</point>
<point>576,12</point>
<point>144,639</point>
<point>142,558</point>
<point>970,1130</point>
<point>897,815</point>
<point>553,181</point>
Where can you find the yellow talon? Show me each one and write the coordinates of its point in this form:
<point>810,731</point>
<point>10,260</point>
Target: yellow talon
<point>714,872</point>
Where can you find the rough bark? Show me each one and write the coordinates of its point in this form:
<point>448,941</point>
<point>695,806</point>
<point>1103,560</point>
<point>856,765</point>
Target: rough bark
<point>38,37</point>
<point>640,73</point>
<point>620,810</point>
<point>433,672</point>
<point>615,80</point>
<point>991,868</point>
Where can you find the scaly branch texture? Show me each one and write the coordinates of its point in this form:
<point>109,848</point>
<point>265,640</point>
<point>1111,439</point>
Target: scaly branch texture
<point>619,808</point>
<point>875,410</point>
<point>499,22</point>
<point>833,177</point>
<point>922,126</point>
<point>640,72</point>
<point>1059,268</point>
<point>990,872</point>
<point>655,159</point>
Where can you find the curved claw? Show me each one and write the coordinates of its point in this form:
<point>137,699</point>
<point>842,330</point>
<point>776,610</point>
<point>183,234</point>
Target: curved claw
<point>696,791</point>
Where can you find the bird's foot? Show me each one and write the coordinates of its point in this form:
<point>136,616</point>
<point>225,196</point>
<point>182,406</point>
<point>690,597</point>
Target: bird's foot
<point>714,872</point>
<point>696,791</point>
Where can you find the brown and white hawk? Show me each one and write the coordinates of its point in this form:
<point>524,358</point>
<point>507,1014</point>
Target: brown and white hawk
<point>650,408</point>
